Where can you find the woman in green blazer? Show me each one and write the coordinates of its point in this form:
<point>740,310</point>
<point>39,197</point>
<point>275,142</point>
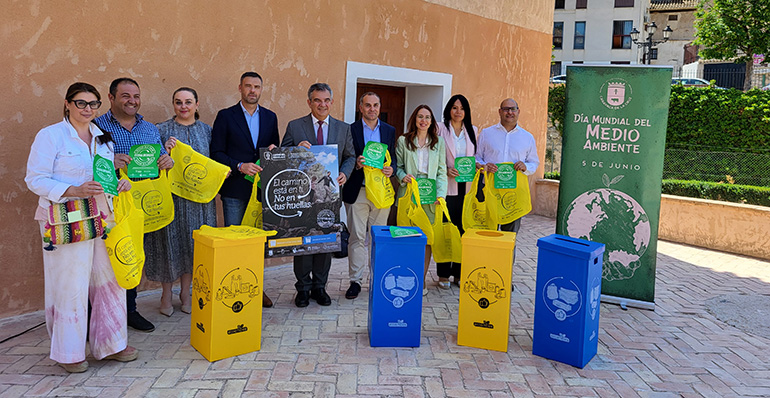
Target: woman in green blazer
<point>420,153</point>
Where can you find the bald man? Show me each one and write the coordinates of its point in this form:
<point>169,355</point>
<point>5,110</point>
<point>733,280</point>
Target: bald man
<point>507,142</point>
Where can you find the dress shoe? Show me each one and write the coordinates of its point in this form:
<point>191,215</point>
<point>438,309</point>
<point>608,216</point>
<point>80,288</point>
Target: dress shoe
<point>353,290</point>
<point>79,367</point>
<point>167,311</point>
<point>127,355</point>
<point>266,302</point>
<point>320,296</point>
<point>136,321</point>
<point>302,299</point>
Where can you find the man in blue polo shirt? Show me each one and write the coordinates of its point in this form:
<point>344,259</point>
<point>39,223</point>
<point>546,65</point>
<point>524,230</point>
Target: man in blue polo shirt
<point>128,128</point>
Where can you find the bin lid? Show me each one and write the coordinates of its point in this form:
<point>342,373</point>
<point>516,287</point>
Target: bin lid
<point>234,235</point>
<point>381,233</point>
<point>486,238</point>
<point>574,247</point>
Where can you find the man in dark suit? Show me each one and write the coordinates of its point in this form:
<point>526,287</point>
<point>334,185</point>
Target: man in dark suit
<point>318,128</point>
<point>238,133</point>
<point>361,212</point>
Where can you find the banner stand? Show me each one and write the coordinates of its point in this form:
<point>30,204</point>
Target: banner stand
<point>624,303</point>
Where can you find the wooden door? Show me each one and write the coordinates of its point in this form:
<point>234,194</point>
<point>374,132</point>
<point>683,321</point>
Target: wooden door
<point>393,101</point>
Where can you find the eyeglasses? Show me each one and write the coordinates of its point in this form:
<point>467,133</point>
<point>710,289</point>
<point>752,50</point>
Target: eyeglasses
<point>81,104</point>
<point>509,108</point>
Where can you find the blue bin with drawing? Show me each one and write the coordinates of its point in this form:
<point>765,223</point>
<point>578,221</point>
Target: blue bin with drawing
<point>567,294</point>
<point>395,286</point>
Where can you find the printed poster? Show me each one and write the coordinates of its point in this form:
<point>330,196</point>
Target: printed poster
<point>301,200</point>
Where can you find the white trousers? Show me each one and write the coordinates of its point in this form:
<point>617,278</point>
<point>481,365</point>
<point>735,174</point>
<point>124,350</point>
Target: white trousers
<point>361,216</point>
<point>75,273</point>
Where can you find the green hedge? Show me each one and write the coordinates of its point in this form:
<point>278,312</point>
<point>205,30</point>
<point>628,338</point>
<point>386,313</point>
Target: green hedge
<point>725,192</point>
<point>719,118</point>
<point>702,116</point>
<point>710,190</point>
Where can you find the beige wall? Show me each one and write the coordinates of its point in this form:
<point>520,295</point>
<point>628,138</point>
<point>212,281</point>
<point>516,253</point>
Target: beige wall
<point>723,226</point>
<point>45,46</point>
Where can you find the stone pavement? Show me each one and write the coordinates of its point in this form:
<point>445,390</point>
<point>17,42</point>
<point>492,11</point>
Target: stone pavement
<point>678,350</point>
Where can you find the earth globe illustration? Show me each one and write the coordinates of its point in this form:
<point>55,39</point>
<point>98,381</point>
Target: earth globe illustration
<point>614,218</point>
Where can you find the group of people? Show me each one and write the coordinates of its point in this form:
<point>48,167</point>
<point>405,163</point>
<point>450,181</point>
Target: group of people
<point>60,168</point>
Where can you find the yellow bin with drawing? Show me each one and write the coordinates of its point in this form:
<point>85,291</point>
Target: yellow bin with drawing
<point>485,289</point>
<point>227,290</point>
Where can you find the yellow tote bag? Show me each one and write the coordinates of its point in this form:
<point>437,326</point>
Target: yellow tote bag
<point>194,176</point>
<point>475,214</point>
<point>447,246</point>
<point>125,242</point>
<point>153,197</point>
<point>253,215</point>
<point>508,205</point>
<point>379,190</point>
<point>411,214</point>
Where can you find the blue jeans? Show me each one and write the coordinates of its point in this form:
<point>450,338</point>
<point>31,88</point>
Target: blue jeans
<point>233,210</point>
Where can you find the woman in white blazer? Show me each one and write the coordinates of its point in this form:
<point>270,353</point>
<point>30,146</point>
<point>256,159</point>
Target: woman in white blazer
<point>459,136</point>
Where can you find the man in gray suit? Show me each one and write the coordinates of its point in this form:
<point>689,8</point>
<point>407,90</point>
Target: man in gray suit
<point>318,128</point>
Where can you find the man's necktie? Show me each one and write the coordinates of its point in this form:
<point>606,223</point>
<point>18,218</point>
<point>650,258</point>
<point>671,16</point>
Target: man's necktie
<point>320,135</point>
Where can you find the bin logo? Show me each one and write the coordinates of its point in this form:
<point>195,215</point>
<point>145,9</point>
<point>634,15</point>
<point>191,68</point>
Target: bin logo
<point>399,285</point>
<point>485,286</point>
<point>595,294</point>
<point>200,287</point>
<point>562,297</point>
<point>238,288</point>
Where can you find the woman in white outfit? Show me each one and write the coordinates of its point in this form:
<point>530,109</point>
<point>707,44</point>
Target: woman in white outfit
<point>60,169</point>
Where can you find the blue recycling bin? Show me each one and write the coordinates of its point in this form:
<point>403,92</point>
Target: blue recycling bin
<point>395,288</point>
<point>567,293</point>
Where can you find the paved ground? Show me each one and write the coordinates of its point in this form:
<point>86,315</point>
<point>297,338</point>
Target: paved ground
<point>679,350</point>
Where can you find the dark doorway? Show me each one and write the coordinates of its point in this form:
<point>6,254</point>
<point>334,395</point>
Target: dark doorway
<point>393,101</point>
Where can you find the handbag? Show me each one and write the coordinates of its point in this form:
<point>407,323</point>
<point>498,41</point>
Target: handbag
<point>475,213</point>
<point>73,221</point>
<point>447,246</point>
<point>252,217</point>
<point>153,197</point>
<point>507,205</point>
<point>125,242</point>
<point>410,212</point>
<point>379,190</point>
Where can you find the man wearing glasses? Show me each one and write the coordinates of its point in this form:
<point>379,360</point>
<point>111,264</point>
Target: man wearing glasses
<point>129,128</point>
<point>507,142</point>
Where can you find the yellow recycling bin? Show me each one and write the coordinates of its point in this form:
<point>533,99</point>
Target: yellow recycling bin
<point>227,291</point>
<point>485,289</point>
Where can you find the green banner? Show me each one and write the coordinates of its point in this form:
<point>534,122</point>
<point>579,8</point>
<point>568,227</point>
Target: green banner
<point>611,170</point>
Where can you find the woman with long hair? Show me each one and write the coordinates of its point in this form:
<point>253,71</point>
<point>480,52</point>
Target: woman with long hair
<point>459,134</point>
<point>60,170</point>
<point>172,246</point>
<point>420,153</point>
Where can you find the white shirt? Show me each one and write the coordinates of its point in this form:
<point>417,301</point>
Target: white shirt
<point>460,143</point>
<point>325,129</point>
<point>59,159</point>
<point>423,159</point>
<point>496,145</point>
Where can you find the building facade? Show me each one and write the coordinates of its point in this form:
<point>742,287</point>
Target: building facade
<point>596,32</point>
<point>423,50</point>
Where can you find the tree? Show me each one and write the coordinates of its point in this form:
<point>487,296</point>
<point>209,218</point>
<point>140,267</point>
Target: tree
<point>734,30</point>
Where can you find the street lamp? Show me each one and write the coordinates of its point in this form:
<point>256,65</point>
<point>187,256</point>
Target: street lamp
<point>648,44</point>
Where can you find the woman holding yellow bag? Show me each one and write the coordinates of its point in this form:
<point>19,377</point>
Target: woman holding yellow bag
<point>459,134</point>
<point>421,156</point>
<point>76,270</point>
<point>170,250</point>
